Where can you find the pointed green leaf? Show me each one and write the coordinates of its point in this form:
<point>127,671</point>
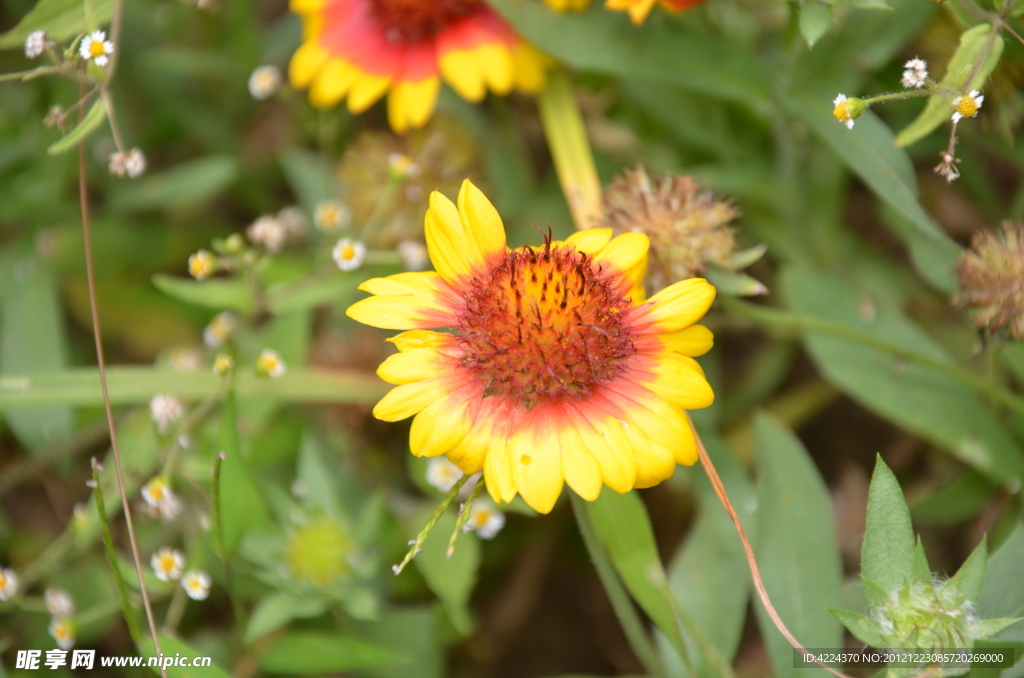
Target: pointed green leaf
<point>96,115</point>
<point>984,628</point>
<point>220,294</point>
<point>888,550</point>
<point>939,108</point>
<point>960,500</point>
<point>865,629</point>
<point>279,608</point>
<point>733,282</point>
<point>1002,592</point>
<point>313,653</point>
<point>241,504</point>
<point>920,569</point>
<point>815,20</point>
<point>874,594</point>
<point>969,578</point>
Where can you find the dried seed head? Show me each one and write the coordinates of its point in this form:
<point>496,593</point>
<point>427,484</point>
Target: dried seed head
<point>992,280</point>
<point>687,225</point>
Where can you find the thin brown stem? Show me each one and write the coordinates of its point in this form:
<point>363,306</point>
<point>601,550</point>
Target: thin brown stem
<point>83,195</point>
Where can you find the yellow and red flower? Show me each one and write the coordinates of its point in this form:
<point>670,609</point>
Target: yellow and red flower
<point>554,368</point>
<point>362,49</point>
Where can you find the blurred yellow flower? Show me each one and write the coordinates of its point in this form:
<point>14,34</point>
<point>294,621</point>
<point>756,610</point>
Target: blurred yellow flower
<point>639,9</point>
<point>558,369</point>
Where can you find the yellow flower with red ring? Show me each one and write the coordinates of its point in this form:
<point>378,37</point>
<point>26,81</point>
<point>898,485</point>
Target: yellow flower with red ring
<point>360,50</point>
<point>554,367</point>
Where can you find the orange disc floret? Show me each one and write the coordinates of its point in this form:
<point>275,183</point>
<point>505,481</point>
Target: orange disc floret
<point>554,367</point>
<point>360,50</point>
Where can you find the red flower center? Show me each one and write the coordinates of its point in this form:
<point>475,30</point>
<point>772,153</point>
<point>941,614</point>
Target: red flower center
<point>544,324</point>
<point>410,21</point>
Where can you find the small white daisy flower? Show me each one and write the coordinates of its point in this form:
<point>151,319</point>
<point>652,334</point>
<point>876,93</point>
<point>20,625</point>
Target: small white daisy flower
<point>268,232</point>
<point>485,519</point>
<point>158,494</point>
<point>222,364</point>
<point>63,631</point>
<point>270,363</point>
<point>294,221</point>
<point>164,410</point>
<point>134,163</point>
<point>414,255</point>
<point>202,264</point>
<point>95,46</point>
<point>842,112</point>
<point>117,164</point>
<point>264,82</point>
<point>332,215</point>
<point>915,74</point>
<point>196,584</point>
<point>349,255</point>
<point>8,583</point>
<point>967,106</point>
<point>59,603</point>
<point>35,44</point>
<point>168,563</point>
<point>220,329</point>
<point>402,167</point>
<point>442,474</point>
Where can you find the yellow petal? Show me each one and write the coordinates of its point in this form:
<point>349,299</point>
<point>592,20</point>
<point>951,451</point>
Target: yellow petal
<point>454,250</point>
<point>332,83</point>
<point>627,253</point>
<point>665,423</point>
<point>406,400</point>
<point>391,313</point>
<point>680,380</point>
<point>685,449</point>
<point>496,67</point>
<point>579,467</point>
<point>608,444</point>
<point>498,470</point>
<point>462,71</point>
<point>415,365</point>
<point>367,88</point>
<point>536,462</point>
<point>590,241</point>
<point>410,104</point>
<point>307,60</point>
<point>680,304</point>
<point>306,6</point>
<point>439,427</point>
<point>530,66</point>
<point>655,463</point>
<point>414,339</point>
<point>480,220</point>
<point>693,341</point>
<point>470,453</point>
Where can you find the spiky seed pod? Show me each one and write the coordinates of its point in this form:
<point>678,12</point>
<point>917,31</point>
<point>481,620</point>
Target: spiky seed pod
<point>687,225</point>
<point>991,275</point>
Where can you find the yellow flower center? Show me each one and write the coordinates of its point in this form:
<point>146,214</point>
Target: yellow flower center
<point>410,21</point>
<point>167,563</point>
<point>156,489</point>
<point>967,107</point>
<point>317,552</point>
<point>841,111</point>
<point>544,323</point>
<point>96,49</point>
<point>348,252</point>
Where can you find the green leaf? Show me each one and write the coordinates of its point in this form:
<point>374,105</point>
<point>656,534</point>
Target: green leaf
<point>309,176</point>
<point>887,554</point>
<point>171,648</point>
<point>923,401</point>
<point>796,546</point>
<point>709,576</point>
<point>220,294</point>
<point>317,477</point>
<point>61,19</point>
<point>33,339</point>
<point>870,4</point>
<point>241,507</point>
<point>128,385</point>
<point>1002,593</point>
<point>96,115</point>
<point>622,522</point>
<point>734,282</point>
<point>306,293</point>
<point>815,20</point>
<point>663,54</point>
<point>961,500</point>
<point>184,186</point>
<point>411,631</point>
<point>451,579</point>
<point>307,653</point>
<point>279,608</point>
<point>940,106</point>
<point>968,579</point>
<point>983,628</point>
<point>865,629</point>
<point>919,568</point>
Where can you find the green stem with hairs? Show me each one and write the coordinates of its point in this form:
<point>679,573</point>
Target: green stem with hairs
<point>463,516</point>
<point>417,545</point>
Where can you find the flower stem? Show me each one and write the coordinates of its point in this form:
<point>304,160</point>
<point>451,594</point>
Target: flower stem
<point>570,149</point>
<point>463,516</point>
<point>417,544</point>
<point>617,595</point>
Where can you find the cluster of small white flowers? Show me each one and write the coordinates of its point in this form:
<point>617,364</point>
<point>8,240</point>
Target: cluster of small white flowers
<point>35,44</point>
<point>131,163</point>
<point>165,410</point>
<point>442,474</point>
<point>220,329</point>
<point>96,47</point>
<point>158,494</point>
<point>8,583</point>
<point>196,584</point>
<point>268,232</point>
<point>967,105</point>
<point>270,363</point>
<point>915,74</point>
<point>294,221</point>
<point>413,254</point>
<point>331,216</point>
<point>168,564</point>
<point>63,631</point>
<point>349,255</point>
<point>61,607</point>
<point>264,82</point>
<point>485,519</point>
